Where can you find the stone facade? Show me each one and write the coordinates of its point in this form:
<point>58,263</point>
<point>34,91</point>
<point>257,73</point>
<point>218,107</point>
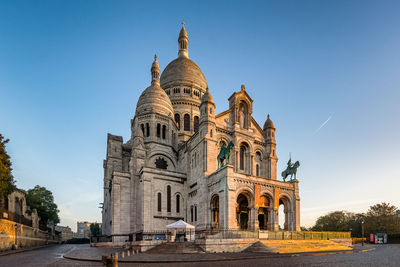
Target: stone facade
<point>168,169</point>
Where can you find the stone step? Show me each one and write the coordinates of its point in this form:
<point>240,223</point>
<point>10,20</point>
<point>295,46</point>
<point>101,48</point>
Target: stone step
<point>258,247</point>
<point>175,247</point>
<point>296,246</point>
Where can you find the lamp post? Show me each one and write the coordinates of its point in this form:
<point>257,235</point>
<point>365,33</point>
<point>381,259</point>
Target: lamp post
<point>362,232</point>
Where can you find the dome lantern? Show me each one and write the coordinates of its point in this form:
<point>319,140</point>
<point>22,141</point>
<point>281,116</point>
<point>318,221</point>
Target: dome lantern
<point>155,71</point>
<point>183,41</point>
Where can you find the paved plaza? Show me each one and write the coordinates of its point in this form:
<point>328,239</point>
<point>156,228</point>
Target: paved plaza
<point>370,255</point>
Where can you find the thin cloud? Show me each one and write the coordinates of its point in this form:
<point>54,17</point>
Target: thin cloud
<point>322,125</point>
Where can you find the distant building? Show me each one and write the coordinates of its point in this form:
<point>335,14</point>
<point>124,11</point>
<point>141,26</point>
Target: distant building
<point>66,232</point>
<point>83,229</point>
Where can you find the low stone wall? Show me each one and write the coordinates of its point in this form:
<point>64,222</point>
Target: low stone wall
<point>141,246</point>
<point>22,236</point>
<point>225,245</point>
<point>343,241</point>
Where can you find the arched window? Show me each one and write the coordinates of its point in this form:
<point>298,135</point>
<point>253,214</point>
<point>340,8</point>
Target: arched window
<point>211,133</point>
<point>147,130</point>
<point>257,170</point>
<point>178,204</point>
<point>158,130</point>
<point>186,122</point>
<point>196,123</point>
<point>142,127</point>
<point>195,213</point>
<point>242,156</point>
<point>191,213</point>
<point>164,131</point>
<point>168,198</point>
<point>159,202</point>
<point>178,120</point>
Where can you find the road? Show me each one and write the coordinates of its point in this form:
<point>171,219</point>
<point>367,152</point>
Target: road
<point>384,255</point>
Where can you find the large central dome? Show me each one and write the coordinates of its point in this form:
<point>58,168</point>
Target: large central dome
<point>183,70</point>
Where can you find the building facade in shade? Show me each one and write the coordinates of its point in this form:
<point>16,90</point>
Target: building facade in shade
<point>66,232</point>
<point>168,168</point>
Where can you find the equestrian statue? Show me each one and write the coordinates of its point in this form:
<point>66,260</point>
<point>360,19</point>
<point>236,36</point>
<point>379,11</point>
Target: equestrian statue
<point>224,154</point>
<point>290,170</point>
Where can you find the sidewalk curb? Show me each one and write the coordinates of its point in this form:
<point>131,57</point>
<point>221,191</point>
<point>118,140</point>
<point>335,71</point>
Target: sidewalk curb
<point>277,255</point>
<point>10,252</point>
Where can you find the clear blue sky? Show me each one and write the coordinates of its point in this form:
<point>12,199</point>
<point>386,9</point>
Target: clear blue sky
<point>72,71</point>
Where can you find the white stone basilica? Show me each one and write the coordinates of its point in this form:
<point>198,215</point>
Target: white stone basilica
<point>168,169</point>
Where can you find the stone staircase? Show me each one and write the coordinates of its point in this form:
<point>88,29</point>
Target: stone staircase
<point>296,246</point>
<point>259,247</point>
<point>176,248</point>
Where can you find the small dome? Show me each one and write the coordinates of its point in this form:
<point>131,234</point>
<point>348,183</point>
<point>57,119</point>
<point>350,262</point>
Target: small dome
<point>154,100</point>
<point>180,70</point>
<point>207,97</point>
<point>268,123</point>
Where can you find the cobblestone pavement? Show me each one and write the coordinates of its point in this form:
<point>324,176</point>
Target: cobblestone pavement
<point>384,255</point>
<point>38,257</point>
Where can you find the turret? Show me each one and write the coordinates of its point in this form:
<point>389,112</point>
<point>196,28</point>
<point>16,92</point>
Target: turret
<point>207,131</point>
<point>183,41</point>
<point>207,108</point>
<point>270,145</point>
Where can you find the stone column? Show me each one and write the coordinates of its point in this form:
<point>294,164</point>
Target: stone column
<point>276,220</point>
<point>256,222</point>
<point>270,222</point>
<point>286,225</point>
<point>236,160</point>
<point>251,164</point>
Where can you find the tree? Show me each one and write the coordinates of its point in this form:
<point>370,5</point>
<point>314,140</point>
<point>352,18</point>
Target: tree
<point>334,221</point>
<point>42,200</point>
<point>381,217</point>
<point>382,209</point>
<point>95,229</point>
<point>7,183</point>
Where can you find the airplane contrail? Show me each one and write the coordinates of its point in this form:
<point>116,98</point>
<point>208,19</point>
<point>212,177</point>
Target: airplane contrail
<point>322,125</point>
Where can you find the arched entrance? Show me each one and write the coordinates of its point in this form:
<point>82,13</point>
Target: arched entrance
<point>242,211</point>
<point>263,210</point>
<point>215,211</point>
<point>283,215</point>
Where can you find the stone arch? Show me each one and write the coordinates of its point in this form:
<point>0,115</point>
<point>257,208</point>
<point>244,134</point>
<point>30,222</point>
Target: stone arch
<point>222,139</point>
<point>186,122</point>
<point>258,162</point>
<point>244,204</point>
<point>158,195</point>
<point>152,157</point>
<point>196,123</point>
<point>177,120</point>
<point>264,214</point>
<point>244,157</point>
<point>285,202</point>
<point>244,111</point>
<point>214,206</point>
<point>178,202</point>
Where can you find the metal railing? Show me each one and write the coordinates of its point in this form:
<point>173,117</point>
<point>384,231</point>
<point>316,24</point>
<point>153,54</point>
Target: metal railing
<point>303,235</point>
<point>164,235</point>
